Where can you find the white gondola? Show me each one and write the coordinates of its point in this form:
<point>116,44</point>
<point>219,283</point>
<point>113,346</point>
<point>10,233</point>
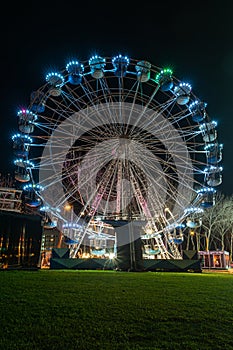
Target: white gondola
<point>208,131</point>
<point>56,80</point>
<point>26,121</point>
<point>214,153</point>
<point>97,65</point>
<point>143,71</point>
<point>213,175</point>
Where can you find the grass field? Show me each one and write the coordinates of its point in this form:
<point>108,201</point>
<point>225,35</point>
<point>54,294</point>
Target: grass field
<point>56,309</point>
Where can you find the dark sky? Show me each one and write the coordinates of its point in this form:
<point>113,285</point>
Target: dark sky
<point>194,38</point>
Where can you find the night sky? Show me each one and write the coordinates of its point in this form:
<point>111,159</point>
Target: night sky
<point>194,38</point>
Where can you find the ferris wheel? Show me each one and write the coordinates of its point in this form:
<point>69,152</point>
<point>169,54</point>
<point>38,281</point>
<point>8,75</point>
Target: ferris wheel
<point>118,140</point>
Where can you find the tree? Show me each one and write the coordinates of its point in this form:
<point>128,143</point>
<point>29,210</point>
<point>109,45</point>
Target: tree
<point>217,222</point>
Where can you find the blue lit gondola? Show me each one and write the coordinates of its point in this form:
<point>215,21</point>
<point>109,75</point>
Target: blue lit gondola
<point>120,64</point>
<point>207,195</point>
<point>197,108</point>
<point>21,145</point>
<point>75,72</point>
<point>38,100</point>
<point>31,198</point>
<point>98,252</point>
<point>182,92</point>
<point>70,241</point>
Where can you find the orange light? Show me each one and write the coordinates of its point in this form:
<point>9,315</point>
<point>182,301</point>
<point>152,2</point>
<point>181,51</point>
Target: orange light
<point>67,207</point>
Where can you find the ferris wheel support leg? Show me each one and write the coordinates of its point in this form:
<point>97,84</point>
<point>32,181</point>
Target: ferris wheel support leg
<point>129,246</point>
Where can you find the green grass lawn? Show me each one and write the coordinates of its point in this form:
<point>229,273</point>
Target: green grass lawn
<point>54,309</point>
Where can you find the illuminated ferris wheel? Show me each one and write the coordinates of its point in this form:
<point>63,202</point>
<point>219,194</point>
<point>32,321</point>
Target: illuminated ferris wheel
<point>118,140</point>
